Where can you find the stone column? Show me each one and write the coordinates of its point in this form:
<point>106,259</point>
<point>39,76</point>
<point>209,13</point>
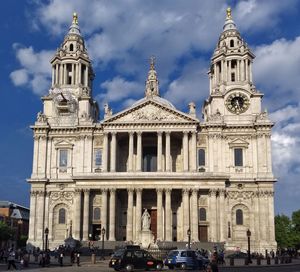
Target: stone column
<point>138,215</point>
<point>257,216</point>
<point>213,215</point>
<point>86,77</point>
<point>79,73</point>
<point>168,215</point>
<point>262,216</point>
<point>105,152</point>
<point>194,151</point>
<point>168,151</point>
<point>53,76</point>
<point>77,214</point>
<point>159,215</point>
<point>65,74</point>
<point>40,215</point>
<point>129,232</point>
<point>112,215</point>
<point>86,215</point>
<point>104,212</point>
<point>130,152</point>
<point>186,212</point>
<point>221,214</point>
<point>139,152</point>
<point>271,216</point>
<point>32,218</point>
<point>73,74</point>
<point>159,151</point>
<point>56,74</point>
<point>113,152</point>
<point>185,146</point>
<point>195,220</point>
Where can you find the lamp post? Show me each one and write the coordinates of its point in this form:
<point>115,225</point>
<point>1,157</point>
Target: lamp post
<point>46,239</point>
<point>103,233</point>
<point>189,237</point>
<point>249,254</point>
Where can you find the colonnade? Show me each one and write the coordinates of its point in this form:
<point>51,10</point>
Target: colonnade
<point>189,147</point>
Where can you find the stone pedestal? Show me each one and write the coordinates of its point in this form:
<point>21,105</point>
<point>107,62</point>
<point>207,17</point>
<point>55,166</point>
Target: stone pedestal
<point>147,238</point>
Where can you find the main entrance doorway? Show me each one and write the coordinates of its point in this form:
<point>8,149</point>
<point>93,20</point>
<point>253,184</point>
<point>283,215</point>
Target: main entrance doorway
<point>202,233</point>
<point>153,224</point>
<point>96,232</point>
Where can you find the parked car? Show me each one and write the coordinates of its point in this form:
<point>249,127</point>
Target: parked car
<point>131,258</point>
<point>237,255</point>
<point>185,259</point>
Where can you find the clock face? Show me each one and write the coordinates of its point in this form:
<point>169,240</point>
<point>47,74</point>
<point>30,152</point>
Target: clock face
<point>237,103</point>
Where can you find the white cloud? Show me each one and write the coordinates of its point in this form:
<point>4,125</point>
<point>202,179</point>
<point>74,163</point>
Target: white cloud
<point>192,85</point>
<point>257,15</point>
<point>19,77</point>
<point>119,89</point>
<point>276,69</point>
<point>35,72</point>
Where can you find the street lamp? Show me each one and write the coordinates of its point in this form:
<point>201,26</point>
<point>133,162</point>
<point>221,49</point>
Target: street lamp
<point>189,237</point>
<point>103,233</point>
<point>46,239</point>
<point>249,255</point>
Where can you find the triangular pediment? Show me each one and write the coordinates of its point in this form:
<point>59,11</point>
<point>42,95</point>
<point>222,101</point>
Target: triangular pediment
<point>149,111</point>
<point>63,144</point>
<point>238,142</point>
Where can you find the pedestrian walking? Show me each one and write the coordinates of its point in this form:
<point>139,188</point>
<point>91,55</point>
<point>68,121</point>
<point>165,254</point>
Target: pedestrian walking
<point>78,258</point>
<point>11,259</point>
<point>61,258</point>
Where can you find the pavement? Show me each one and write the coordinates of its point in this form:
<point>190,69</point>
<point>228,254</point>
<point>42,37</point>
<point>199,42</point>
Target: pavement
<point>102,265</point>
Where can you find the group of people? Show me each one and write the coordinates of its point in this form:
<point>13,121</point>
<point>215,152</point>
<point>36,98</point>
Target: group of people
<point>10,256</point>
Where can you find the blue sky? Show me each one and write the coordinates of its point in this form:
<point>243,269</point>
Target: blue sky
<point>120,36</point>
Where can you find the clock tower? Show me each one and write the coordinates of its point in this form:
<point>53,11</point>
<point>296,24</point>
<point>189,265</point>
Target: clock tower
<point>232,92</point>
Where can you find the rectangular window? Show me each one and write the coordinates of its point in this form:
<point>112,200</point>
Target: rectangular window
<point>238,157</point>
<point>201,157</point>
<point>63,158</point>
<point>98,157</point>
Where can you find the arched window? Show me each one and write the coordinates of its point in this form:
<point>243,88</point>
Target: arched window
<point>201,157</point>
<point>231,43</point>
<point>62,216</point>
<point>239,217</point>
<point>71,47</point>
<point>202,214</point>
<point>97,214</point>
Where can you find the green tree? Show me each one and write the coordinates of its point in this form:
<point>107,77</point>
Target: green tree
<point>283,231</point>
<point>296,220</point>
<point>5,232</point>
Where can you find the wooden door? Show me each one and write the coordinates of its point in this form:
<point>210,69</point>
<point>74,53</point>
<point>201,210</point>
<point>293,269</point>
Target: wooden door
<point>153,224</point>
<point>203,233</point>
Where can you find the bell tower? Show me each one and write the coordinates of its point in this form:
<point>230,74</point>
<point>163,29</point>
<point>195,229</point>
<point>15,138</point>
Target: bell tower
<point>70,98</point>
<point>230,75</point>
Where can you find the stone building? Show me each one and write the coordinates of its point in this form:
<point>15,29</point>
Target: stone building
<point>212,176</point>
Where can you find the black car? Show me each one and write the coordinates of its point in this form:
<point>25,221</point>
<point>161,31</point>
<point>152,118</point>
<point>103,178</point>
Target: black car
<point>131,258</point>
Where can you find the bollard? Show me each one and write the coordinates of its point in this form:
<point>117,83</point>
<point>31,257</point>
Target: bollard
<point>231,261</point>
<point>276,260</point>
<point>290,259</point>
<point>258,261</point>
<point>93,258</point>
<point>246,261</point>
<point>268,260</point>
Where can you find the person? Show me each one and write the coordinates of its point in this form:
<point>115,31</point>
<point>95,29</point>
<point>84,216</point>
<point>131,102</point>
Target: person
<point>146,220</point>
<point>78,258</point>
<point>11,259</point>
<point>61,258</point>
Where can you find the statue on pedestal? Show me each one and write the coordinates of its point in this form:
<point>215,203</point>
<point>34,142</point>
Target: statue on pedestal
<point>146,220</point>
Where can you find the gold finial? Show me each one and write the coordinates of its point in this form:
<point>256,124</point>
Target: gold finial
<point>228,11</point>
<point>152,62</point>
<point>75,18</point>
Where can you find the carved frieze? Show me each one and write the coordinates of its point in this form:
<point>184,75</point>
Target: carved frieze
<point>240,194</point>
<point>61,196</point>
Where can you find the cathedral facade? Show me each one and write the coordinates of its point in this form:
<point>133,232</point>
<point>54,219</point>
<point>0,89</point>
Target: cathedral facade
<point>209,180</point>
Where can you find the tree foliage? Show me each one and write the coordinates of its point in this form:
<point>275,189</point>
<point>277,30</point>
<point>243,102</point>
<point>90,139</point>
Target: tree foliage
<point>5,231</point>
<point>287,231</point>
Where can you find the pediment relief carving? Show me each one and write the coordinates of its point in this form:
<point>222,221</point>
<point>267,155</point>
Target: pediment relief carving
<point>150,112</point>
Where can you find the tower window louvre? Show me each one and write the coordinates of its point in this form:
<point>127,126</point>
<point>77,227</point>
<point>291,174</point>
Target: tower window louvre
<point>231,43</point>
<point>233,77</point>
<point>71,47</point>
